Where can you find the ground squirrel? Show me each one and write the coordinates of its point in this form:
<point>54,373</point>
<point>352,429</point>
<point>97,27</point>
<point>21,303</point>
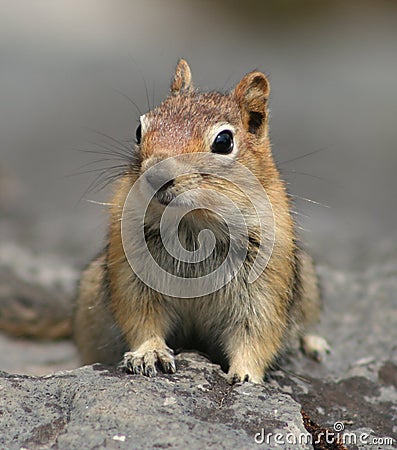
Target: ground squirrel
<point>138,302</point>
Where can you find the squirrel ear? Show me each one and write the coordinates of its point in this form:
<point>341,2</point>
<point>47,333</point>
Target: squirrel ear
<point>182,78</point>
<point>252,94</point>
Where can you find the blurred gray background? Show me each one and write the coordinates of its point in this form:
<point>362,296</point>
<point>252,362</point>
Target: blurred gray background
<point>333,72</point>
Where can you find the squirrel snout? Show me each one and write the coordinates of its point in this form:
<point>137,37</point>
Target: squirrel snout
<point>160,172</point>
<point>159,179</point>
<point>168,178</point>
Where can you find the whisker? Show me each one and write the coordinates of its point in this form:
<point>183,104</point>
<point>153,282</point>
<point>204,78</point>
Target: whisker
<point>115,154</point>
<point>147,93</point>
<point>111,138</point>
<point>309,200</point>
<point>319,150</point>
<point>92,163</point>
<point>297,213</point>
<point>153,92</point>
<point>97,161</point>
<point>100,203</point>
<point>89,188</point>
<point>98,169</point>
<point>129,100</point>
<point>103,179</point>
<point>296,172</point>
<point>143,79</point>
<point>227,81</point>
<point>306,230</point>
<point>108,150</point>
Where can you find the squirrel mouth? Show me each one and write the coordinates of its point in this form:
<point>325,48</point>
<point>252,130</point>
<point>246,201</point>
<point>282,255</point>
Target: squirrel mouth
<point>170,195</point>
<point>164,196</point>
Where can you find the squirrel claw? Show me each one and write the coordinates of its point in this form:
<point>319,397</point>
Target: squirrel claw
<point>145,363</point>
<point>234,378</point>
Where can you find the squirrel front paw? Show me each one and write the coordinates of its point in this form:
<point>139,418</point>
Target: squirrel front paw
<point>146,361</point>
<point>241,375</point>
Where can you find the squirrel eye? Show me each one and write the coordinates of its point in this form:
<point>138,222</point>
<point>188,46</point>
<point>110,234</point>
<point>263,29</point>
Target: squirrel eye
<point>223,143</point>
<point>138,134</point>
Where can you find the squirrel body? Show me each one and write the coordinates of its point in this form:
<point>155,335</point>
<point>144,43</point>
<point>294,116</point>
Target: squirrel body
<point>242,326</point>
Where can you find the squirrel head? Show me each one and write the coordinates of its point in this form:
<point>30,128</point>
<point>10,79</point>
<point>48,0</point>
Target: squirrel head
<point>193,125</point>
<point>189,120</point>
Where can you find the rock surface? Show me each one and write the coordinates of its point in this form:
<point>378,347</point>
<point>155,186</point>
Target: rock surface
<point>94,407</point>
<point>354,389</point>
<point>35,293</point>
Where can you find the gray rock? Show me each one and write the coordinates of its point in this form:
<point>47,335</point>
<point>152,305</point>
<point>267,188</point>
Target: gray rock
<point>99,407</point>
<point>35,293</point>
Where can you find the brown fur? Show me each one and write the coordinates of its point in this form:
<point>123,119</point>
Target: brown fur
<point>243,327</point>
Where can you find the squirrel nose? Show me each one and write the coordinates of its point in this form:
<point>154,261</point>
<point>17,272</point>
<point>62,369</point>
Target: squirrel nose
<point>159,178</point>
